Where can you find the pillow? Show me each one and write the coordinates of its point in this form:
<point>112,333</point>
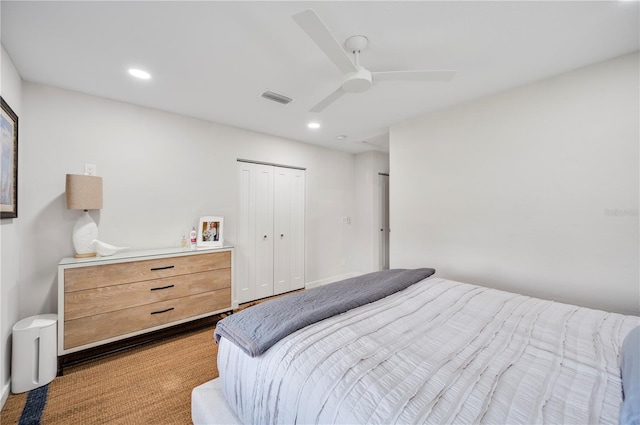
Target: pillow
<point>630,368</point>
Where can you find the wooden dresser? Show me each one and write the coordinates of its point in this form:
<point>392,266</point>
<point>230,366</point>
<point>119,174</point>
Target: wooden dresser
<point>106,299</point>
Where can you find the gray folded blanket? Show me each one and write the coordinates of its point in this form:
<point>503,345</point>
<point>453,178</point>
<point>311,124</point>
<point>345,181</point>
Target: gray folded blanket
<point>257,328</point>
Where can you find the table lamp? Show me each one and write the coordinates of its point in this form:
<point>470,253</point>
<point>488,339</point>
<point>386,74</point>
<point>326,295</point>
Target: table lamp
<point>84,193</point>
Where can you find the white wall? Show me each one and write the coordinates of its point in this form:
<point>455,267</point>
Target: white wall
<point>367,222</point>
<point>533,190</point>
<point>10,88</point>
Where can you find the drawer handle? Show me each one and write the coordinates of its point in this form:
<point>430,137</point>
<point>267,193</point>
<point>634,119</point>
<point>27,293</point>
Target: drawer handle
<point>161,268</point>
<point>162,311</point>
<point>163,287</point>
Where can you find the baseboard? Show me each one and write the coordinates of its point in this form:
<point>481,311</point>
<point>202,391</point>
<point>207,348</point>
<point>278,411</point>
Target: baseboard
<point>5,395</point>
<point>332,279</point>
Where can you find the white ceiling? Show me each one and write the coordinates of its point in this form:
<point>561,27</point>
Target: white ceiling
<point>212,59</point>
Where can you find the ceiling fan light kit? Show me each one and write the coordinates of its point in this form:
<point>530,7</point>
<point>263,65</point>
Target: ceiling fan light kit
<point>356,79</point>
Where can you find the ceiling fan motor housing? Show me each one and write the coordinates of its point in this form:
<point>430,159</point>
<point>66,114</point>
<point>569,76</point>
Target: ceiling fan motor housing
<point>357,82</point>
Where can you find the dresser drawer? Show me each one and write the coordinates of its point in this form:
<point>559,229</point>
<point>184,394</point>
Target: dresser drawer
<point>111,298</point>
<point>99,327</point>
<point>83,278</point>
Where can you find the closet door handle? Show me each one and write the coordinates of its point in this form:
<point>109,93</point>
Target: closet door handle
<point>163,287</point>
<point>281,235</point>
<point>161,268</point>
<point>162,311</point>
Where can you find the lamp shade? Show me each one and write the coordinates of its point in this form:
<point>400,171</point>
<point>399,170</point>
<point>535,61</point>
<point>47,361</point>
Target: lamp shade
<point>83,192</point>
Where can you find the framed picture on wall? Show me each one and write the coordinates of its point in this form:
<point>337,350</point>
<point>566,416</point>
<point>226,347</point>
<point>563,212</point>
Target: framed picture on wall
<point>8,161</point>
<point>210,232</point>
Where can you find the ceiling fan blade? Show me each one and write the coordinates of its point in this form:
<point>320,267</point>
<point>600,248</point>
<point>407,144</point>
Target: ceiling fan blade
<point>327,100</point>
<point>444,75</point>
<point>320,34</point>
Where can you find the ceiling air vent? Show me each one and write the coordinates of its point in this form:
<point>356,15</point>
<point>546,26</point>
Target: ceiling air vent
<point>277,97</point>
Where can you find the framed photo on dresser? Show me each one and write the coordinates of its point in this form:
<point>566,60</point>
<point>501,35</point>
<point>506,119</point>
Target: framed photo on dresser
<point>210,231</point>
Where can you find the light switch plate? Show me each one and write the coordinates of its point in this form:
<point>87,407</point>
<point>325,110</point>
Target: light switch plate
<point>90,169</point>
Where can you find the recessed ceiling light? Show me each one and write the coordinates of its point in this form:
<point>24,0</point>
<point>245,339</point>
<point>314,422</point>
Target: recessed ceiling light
<point>143,75</point>
<point>313,125</point>
<point>341,137</point>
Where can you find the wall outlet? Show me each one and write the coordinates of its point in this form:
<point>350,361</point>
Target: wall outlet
<point>342,262</point>
<point>343,220</point>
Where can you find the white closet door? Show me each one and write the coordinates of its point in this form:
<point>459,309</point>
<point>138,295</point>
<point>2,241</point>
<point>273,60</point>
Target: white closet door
<point>244,268</point>
<point>281,245</point>
<point>253,258</point>
<point>289,188</point>
<point>297,229</point>
<point>264,231</point>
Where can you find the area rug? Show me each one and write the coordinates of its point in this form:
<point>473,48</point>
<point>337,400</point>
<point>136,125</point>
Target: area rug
<point>150,384</point>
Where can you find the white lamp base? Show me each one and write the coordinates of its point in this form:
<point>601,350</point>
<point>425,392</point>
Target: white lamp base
<point>84,233</point>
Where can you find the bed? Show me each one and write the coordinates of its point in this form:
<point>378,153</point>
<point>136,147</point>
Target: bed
<point>439,351</point>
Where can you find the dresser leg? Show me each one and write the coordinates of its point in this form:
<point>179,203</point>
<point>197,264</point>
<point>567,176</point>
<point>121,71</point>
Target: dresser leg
<point>60,366</point>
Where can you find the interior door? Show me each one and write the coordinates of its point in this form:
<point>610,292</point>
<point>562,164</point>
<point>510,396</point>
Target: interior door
<point>282,224</point>
<point>383,184</point>
<point>264,230</point>
<point>253,257</point>
<point>289,208</point>
<point>244,266</point>
<point>296,229</point>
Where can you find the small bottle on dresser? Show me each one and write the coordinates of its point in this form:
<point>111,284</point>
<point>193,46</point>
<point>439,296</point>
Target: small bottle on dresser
<point>193,235</point>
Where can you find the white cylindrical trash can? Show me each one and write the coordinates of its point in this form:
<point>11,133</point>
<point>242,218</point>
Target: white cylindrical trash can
<point>33,357</point>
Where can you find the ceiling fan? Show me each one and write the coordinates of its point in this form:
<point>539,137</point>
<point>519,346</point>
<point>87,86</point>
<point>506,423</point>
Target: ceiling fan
<point>356,79</point>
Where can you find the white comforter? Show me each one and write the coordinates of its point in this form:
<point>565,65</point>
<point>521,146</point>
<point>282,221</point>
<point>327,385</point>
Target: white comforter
<point>438,352</point>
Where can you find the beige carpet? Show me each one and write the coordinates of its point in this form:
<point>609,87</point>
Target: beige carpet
<point>150,384</point>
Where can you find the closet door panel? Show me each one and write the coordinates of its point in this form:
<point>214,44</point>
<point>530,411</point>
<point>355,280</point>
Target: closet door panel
<point>264,230</point>
<point>296,229</point>
<point>282,229</point>
<point>289,215</point>
<point>244,267</point>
